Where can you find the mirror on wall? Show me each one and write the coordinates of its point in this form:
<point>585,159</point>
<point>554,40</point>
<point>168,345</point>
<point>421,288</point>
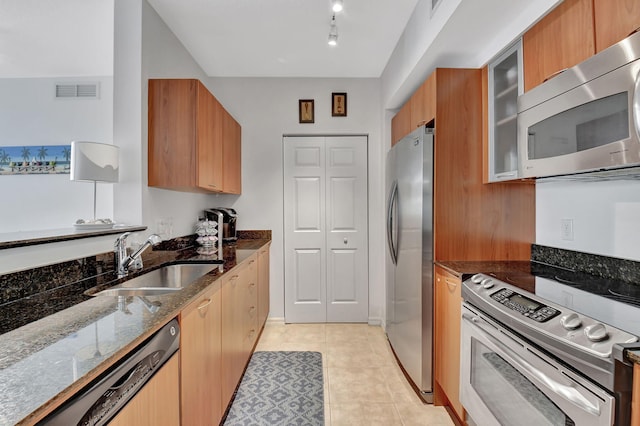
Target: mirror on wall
<point>56,86</point>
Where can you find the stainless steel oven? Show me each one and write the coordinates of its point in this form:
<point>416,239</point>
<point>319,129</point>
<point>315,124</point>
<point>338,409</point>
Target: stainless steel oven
<point>528,361</point>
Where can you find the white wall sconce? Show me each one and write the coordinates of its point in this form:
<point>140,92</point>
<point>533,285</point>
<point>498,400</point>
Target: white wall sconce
<point>337,6</point>
<point>94,162</point>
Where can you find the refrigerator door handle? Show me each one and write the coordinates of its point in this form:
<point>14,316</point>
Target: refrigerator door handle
<point>391,209</point>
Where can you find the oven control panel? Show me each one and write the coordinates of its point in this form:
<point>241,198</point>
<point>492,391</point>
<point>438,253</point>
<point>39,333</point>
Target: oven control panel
<point>526,306</point>
<point>541,318</point>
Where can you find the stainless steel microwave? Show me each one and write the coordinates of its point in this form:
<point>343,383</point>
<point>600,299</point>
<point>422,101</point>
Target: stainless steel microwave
<point>585,119</point>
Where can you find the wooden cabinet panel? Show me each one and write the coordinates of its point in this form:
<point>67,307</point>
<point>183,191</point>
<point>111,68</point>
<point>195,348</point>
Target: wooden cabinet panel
<point>562,39</point>
<point>250,306</point>
<point>194,143</point>
<point>263,286</point>
<point>201,360</point>
<point>423,103</point>
<point>208,141</point>
<point>472,220</point>
<point>172,117</point>
<point>232,336</point>
<point>615,20</point>
<point>401,123</point>
<point>232,155</point>
<point>635,398</point>
<point>447,312</point>
<point>157,403</point>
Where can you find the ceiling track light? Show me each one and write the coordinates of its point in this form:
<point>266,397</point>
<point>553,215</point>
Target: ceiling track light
<point>333,32</point>
<point>337,5</point>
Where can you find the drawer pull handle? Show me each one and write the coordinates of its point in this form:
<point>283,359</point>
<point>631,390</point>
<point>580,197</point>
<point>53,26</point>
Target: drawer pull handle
<point>204,304</point>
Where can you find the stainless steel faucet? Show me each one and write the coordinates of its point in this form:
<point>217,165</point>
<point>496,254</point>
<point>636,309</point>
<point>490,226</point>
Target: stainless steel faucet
<point>124,261</point>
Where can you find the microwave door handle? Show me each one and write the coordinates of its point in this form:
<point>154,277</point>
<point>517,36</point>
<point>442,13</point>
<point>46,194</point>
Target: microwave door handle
<point>567,392</point>
<point>390,214</point>
<point>635,104</point>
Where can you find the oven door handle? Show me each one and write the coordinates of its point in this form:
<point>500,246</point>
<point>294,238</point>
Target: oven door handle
<point>567,392</point>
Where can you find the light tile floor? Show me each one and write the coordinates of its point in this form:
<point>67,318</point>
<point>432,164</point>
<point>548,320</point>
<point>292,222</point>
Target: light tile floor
<point>363,384</point>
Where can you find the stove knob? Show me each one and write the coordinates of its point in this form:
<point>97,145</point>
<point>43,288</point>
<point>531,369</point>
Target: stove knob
<point>571,321</point>
<point>596,332</point>
<point>487,283</point>
<point>476,279</point>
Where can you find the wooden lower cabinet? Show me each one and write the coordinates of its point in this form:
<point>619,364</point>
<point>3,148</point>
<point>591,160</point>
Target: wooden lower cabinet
<point>447,312</point>
<point>232,336</point>
<point>263,286</point>
<point>157,403</point>
<point>201,360</point>
<point>250,306</point>
<point>635,401</point>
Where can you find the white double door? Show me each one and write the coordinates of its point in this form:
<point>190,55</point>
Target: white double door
<point>325,229</point>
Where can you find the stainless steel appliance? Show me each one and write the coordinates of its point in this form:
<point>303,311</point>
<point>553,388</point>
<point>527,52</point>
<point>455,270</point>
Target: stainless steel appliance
<point>548,354</point>
<point>229,219</point>
<point>409,302</point>
<point>97,403</point>
<point>585,119</point>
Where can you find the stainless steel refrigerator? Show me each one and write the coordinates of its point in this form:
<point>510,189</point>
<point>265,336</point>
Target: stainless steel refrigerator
<point>409,319</point>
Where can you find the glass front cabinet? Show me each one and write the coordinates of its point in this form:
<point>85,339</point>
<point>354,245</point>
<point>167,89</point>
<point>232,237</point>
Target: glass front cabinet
<point>504,86</point>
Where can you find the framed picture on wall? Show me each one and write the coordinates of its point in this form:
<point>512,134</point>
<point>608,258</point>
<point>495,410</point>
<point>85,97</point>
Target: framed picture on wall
<point>305,110</point>
<point>338,104</point>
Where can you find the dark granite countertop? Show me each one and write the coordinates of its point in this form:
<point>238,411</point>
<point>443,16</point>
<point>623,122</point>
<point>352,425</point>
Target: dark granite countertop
<point>463,267</point>
<point>29,238</point>
<point>45,362</point>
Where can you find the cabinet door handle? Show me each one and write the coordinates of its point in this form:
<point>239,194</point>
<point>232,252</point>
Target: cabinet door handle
<point>553,74</point>
<point>451,284</point>
<point>251,262</point>
<point>204,304</point>
<point>233,280</point>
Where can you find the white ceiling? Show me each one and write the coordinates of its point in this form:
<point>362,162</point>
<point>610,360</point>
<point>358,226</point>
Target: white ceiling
<point>287,38</point>
<point>265,38</point>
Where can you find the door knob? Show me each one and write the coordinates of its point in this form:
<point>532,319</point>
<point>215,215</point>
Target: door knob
<point>346,241</point>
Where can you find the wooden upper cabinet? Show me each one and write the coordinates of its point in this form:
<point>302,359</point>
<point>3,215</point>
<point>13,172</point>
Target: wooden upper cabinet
<point>187,139</point>
<point>232,156</point>
<point>401,123</point>
<point>423,103</point>
<point>560,40</point>
<point>209,141</point>
<point>615,20</point>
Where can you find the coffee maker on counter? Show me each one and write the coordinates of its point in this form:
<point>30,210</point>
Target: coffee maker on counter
<point>229,217</point>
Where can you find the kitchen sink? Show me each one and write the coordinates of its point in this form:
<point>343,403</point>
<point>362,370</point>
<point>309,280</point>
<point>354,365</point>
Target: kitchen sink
<point>167,279</point>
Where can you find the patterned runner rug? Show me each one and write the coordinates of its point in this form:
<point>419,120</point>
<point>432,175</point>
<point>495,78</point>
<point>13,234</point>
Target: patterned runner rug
<point>280,388</point>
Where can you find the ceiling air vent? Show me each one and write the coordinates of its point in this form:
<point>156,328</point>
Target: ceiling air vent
<point>83,90</point>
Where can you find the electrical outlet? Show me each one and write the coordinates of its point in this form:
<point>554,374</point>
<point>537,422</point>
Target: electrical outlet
<point>566,229</point>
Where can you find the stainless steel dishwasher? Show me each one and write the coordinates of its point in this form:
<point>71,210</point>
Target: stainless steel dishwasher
<point>99,401</point>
